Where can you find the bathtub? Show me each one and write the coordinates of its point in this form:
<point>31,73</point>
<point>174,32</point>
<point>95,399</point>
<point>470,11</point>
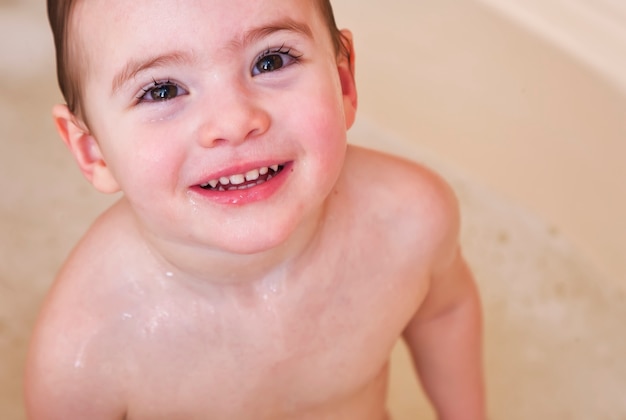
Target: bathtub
<point>521,114</point>
<point>522,106</point>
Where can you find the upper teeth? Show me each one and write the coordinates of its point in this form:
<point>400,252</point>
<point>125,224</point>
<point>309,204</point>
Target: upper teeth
<point>239,179</point>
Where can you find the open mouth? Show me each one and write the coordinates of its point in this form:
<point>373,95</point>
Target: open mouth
<point>250,179</point>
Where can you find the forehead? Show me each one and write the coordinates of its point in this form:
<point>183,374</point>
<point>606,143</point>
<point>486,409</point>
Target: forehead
<point>114,26</point>
<point>120,11</point>
<point>111,33</point>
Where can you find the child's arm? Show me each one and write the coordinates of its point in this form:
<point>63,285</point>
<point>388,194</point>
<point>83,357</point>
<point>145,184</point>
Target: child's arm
<point>54,395</point>
<point>445,341</point>
<point>62,380</point>
<point>445,335</point>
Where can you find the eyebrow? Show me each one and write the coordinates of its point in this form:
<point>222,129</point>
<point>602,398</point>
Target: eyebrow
<point>285,24</point>
<point>134,67</point>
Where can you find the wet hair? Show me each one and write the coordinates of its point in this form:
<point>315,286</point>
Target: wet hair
<point>68,56</point>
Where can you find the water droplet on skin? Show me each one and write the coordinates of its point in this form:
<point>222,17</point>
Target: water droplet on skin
<point>79,362</point>
<point>159,317</point>
<point>194,204</point>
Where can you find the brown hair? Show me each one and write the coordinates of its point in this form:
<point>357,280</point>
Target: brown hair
<point>68,75</point>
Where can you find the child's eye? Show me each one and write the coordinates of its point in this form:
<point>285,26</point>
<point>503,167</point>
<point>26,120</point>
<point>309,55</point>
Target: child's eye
<point>161,91</point>
<point>274,59</point>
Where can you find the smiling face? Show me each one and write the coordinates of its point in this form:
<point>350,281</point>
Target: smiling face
<point>222,121</point>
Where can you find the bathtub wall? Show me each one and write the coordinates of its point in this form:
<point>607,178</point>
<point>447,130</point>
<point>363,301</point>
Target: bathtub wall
<point>526,97</point>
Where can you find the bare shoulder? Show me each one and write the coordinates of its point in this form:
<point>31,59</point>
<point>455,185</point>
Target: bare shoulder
<point>418,202</point>
<point>66,375</point>
<point>400,175</point>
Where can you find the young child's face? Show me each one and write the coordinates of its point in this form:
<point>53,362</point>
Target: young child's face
<point>181,94</point>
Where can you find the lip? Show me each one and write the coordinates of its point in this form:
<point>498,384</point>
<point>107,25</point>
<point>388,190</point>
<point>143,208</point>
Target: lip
<point>253,194</point>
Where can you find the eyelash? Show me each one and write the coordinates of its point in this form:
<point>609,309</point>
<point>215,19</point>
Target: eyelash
<point>156,84</point>
<point>283,51</point>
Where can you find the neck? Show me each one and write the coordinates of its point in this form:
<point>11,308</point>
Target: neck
<point>211,266</point>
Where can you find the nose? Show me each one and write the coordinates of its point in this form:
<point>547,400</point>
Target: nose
<point>232,115</point>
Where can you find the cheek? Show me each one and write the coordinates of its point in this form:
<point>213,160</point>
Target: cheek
<point>320,105</point>
<point>143,158</point>
<point>326,122</point>
<point>322,135</point>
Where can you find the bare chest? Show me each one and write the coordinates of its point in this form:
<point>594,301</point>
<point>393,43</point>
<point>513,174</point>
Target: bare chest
<point>271,355</point>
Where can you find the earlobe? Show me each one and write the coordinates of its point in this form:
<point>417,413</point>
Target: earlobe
<point>85,149</point>
<point>346,67</point>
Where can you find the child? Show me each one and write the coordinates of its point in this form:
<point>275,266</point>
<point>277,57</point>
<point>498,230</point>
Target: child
<point>256,267</point>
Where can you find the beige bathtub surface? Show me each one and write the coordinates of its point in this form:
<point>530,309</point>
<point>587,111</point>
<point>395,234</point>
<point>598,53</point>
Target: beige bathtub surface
<point>534,120</point>
<point>593,32</point>
<point>553,324</point>
<point>554,321</point>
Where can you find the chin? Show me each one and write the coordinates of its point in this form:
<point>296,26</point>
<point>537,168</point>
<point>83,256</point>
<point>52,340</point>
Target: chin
<point>247,236</point>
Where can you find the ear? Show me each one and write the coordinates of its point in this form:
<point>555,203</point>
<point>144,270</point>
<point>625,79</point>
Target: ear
<point>345,65</point>
<point>85,149</point>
